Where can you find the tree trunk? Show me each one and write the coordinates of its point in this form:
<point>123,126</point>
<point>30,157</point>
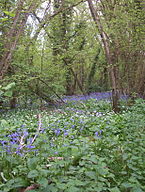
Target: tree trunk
<point>92,72</point>
<point>108,53</point>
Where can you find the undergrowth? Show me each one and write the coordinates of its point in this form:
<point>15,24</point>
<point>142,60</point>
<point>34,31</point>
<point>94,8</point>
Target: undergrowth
<point>78,148</point>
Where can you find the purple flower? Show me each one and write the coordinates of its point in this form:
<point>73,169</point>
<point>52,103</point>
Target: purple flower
<point>13,143</point>
<point>25,132</point>
<point>52,145</point>
<point>19,153</point>
<point>65,145</point>
<point>81,129</point>
<point>15,134</point>
<point>65,133</point>
<point>29,140</point>
<point>30,146</point>
<point>57,132</point>
<point>101,131</point>
<point>98,133</point>
<point>81,121</point>
<point>3,142</point>
<point>8,151</point>
<point>43,130</point>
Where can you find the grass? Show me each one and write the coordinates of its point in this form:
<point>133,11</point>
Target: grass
<point>81,147</point>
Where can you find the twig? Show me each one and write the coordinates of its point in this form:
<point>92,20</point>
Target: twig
<point>22,140</point>
<point>22,145</point>
<point>29,188</point>
<point>3,177</point>
<point>39,127</point>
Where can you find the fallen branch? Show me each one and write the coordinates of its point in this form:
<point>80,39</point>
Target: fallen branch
<point>39,127</point>
<point>31,187</point>
<point>22,143</point>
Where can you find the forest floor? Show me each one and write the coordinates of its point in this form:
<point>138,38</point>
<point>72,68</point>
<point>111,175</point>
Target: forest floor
<point>82,146</point>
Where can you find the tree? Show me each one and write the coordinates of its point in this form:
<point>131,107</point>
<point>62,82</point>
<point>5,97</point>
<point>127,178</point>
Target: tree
<point>120,35</point>
<point>109,57</point>
<point>13,35</point>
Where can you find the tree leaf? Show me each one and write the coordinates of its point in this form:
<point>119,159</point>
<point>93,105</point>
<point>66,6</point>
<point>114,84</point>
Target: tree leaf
<point>8,94</point>
<point>9,13</point>
<point>9,86</point>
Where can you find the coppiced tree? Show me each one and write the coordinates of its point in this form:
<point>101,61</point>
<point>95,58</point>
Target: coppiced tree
<point>121,37</point>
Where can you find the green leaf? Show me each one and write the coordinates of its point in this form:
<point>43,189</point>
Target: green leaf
<point>4,19</point>
<point>126,185</point>
<point>8,94</point>
<point>1,92</point>
<point>75,150</point>
<point>91,174</point>
<point>32,162</point>
<point>73,189</point>
<point>12,160</point>
<point>50,188</point>
<point>9,86</point>
<point>43,182</point>
<point>137,189</point>
<point>33,174</point>
<point>3,122</point>
<point>9,13</point>
<point>16,183</point>
<point>115,189</point>
<point>61,186</point>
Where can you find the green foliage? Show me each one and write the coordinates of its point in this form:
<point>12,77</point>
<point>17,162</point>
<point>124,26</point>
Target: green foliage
<point>7,91</point>
<point>83,147</point>
<point>9,13</point>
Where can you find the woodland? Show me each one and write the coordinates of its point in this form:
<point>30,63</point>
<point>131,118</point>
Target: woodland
<point>72,95</point>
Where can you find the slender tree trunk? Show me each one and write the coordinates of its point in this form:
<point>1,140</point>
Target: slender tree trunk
<point>77,80</point>
<point>68,77</point>
<point>82,75</point>
<point>139,86</point>
<point>108,53</point>
<point>13,102</point>
<point>92,72</point>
